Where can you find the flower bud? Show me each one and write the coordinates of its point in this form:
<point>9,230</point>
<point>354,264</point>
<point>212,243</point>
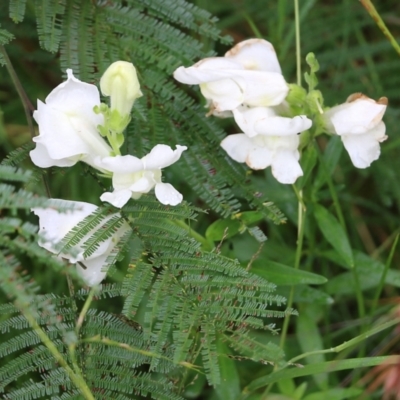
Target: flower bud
<point>120,82</point>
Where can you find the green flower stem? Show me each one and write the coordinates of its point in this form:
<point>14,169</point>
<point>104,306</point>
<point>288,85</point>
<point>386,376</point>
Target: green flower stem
<point>381,24</point>
<point>206,244</point>
<point>299,250</point>
<point>112,139</point>
<point>76,379</point>
<point>349,343</point>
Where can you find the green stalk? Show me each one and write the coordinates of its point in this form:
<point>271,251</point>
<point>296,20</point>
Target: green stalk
<point>381,24</point>
<point>76,379</point>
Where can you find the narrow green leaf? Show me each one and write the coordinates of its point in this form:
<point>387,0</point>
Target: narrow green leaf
<point>318,368</point>
<point>283,275</point>
<point>309,339</point>
<point>334,233</point>
<point>329,161</point>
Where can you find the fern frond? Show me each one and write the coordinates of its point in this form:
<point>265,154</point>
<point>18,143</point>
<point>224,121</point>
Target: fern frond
<point>18,155</point>
<point>17,10</point>
<point>48,23</point>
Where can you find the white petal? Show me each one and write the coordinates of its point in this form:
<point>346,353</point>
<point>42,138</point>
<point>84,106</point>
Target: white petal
<point>207,70</point>
<point>259,158</point>
<point>281,126</point>
<point>162,156</point>
<point>120,164</point>
<point>144,184</point>
<point>67,122</point>
<point>285,166</point>
<point>364,148</point>
<point>255,54</point>
<point>93,272</point>
<point>355,117</point>
<point>118,198</point>
<point>77,97</point>
<point>54,225</point>
<point>264,89</point>
<point>246,118</point>
<point>237,146</point>
<point>167,194</point>
<point>225,94</point>
<point>41,158</point>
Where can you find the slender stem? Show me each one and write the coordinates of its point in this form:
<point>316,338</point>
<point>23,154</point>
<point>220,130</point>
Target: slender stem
<point>85,309</point>
<point>298,47</point>
<point>76,379</point>
<point>28,107</point>
<point>349,343</point>
<point>381,24</point>
<point>79,323</point>
<point>299,249</point>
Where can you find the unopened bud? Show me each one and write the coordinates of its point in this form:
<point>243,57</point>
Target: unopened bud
<point>120,82</point>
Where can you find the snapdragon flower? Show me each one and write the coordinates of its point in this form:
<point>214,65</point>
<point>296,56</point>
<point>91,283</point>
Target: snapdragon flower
<point>359,123</point>
<point>249,74</point>
<point>68,126</point>
<point>133,176</point>
<point>54,225</point>
<point>268,140</point>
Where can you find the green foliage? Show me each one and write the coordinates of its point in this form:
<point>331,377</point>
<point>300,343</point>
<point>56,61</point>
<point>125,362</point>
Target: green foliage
<point>179,318</point>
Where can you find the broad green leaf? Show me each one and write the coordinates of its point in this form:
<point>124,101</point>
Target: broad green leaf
<point>334,233</point>
<point>250,217</point>
<point>325,367</point>
<point>283,275</point>
<point>223,228</point>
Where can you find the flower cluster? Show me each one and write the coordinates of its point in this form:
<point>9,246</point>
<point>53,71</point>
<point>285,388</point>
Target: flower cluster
<point>75,126</point>
<point>247,83</point>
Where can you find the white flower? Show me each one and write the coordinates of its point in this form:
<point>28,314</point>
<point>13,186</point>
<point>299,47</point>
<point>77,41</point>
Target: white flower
<point>54,225</point>
<point>68,126</point>
<point>133,176</point>
<point>120,82</point>
<point>249,74</point>
<point>359,124</point>
<point>268,140</point>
